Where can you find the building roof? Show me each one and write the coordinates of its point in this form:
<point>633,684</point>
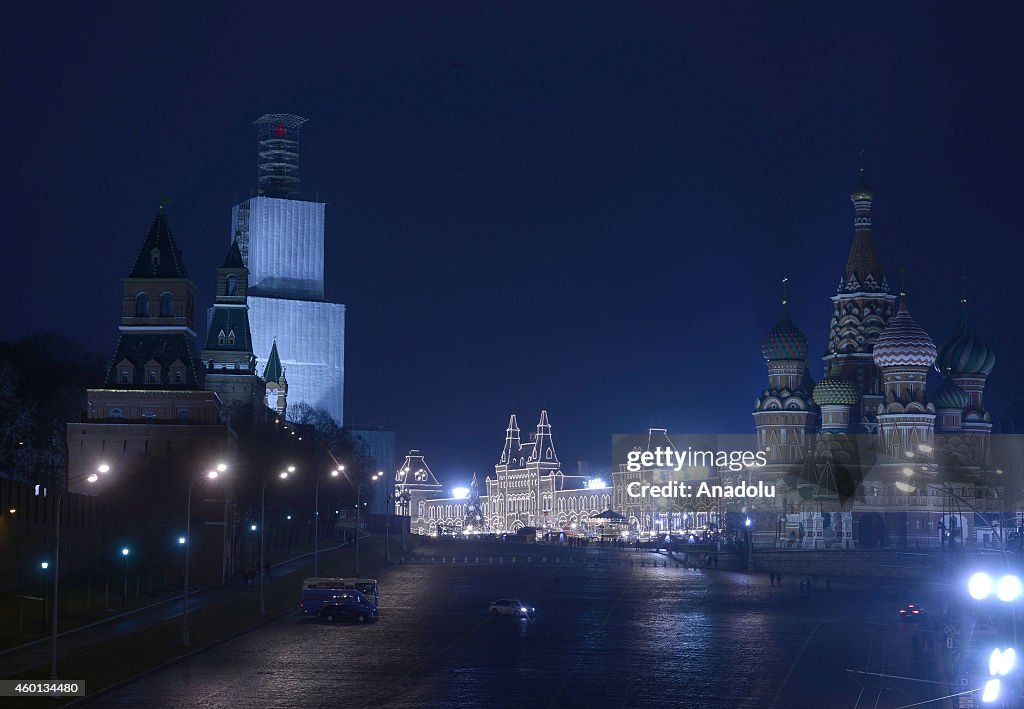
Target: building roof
<point>904,343</point>
<point>234,257</point>
<point>784,341</point>
<point>159,256</point>
<point>965,352</point>
<point>164,348</point>
<point>234,323</point>
<point>273,371</point>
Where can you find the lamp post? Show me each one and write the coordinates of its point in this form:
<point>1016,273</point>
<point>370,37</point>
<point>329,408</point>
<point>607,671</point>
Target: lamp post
<point>186,542</point>
<point>263,516</point>
<point>101,469</point>
<point>125,551</point>
<point>43,567</point>
<point>387,520</point>
<point>404,499</point>
<point>316,517</point>
<point>749,525</point>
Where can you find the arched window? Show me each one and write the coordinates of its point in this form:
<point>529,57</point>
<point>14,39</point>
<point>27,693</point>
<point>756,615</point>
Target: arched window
<point>142,305</point>
<point>421,505</point>
<point>231,285</point>
<point>166,305</point>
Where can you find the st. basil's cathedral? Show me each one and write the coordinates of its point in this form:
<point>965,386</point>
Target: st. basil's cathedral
<point>867,457</point>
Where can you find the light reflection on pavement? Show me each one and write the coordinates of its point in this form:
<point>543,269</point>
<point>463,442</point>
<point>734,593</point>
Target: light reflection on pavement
<point>613,634</point>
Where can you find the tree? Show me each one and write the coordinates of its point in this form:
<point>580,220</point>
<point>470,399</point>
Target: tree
<point>474,510</point>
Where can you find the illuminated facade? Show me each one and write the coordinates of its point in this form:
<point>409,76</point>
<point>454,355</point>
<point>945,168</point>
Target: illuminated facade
<point>281,240</point>
<point>528,489</point>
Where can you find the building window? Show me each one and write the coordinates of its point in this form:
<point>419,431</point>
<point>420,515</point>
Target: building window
<point>152,376</point>
<point>166,305</point>
<point>124,376</point>
<point>142,305</point>
<point>177,376</point>
<point>231,286</point>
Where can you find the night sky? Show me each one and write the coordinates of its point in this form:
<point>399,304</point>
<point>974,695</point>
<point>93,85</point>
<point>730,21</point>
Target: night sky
<point>585,207</point>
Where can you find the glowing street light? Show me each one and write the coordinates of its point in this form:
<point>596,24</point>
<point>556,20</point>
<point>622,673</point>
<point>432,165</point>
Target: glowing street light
<point>263,513</point>
<point>460,493</point>
<point>210,475</point>
<point>91,478</point>
<point>45,565</point>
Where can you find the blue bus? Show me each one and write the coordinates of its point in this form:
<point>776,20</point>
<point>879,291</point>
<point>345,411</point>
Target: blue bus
<point>317,591</point>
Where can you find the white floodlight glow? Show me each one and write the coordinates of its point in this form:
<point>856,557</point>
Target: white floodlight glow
<point>924,448</point>
<point>905,487</point>
<point>1000,662</point>
<point>103,468</point>
<point>222,467</point>
<point>1009,588</point>
<point>460,493</point>
<point>93,478</point>
<point>980,586</point>
<point>181,540</point>
<point>45,565</point>
<point>597,484</point>
<point>991,692</point>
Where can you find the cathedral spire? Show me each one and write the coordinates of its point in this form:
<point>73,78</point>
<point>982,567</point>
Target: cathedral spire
<point>863,270</point>
<point>512,444</point>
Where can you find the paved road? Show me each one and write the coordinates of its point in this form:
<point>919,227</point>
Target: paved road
<point>605,635</point>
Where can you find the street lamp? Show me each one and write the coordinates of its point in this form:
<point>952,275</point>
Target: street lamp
<point>316,516</point>
<point>125,551</point>
<point>387,521</point>
<point>211,475</point>
<point>750,543</point>
<point>263,516</point>
<point>101,469</point>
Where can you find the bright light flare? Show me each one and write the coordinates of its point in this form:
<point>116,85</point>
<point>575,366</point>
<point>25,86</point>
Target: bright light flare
<point>283,475</point>
<point>45,565</point>
<point>124,551</point>
<point>93,478</point>
<point>222,467</point>
<point>991,692</point>
<point>980,586</point>
<point>103,468</point>
<point>291,468</point>
<point>212,474</point>
<point>1000,662</point>
<point>597,484</point>
<point>181,540</point>
<point>924,448</point>
<point>334,473</point>
<point>460,493</point>
<point>905,487</point>
<point>1009,589</point>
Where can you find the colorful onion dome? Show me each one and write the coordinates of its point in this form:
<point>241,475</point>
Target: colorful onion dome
<point>784,341</point>
<point>837,391</point>
<point>949,395</point>
<point>966,353</point>
<point>862,190</point>
<point>904,343</point>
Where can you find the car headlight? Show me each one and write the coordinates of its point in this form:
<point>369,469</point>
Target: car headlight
<point>991,692</point>
<point>1009,588</point>
<point>1000,662</point>
<point>979,585</point>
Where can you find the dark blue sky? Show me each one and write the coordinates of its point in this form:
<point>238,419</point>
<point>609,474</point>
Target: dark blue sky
<point>586,207</point>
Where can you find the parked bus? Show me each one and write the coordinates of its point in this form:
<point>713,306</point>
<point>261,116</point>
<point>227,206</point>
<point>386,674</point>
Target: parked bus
<point>317,591</point>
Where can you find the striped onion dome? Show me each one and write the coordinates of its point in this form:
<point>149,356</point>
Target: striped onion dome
<point>784,341</point>
<point>835,390</point>
<point>949,395</point>
<point>966,353</point>
<point>904,343</point>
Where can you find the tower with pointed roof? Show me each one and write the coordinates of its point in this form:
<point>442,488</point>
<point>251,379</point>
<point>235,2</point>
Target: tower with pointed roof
<point>785,413</point>
<point>861,309</point>
<point>152,420</point>
<point>904,353</point>
<point>968,361</point>
<point>276,383</point>
<point>227,356</point>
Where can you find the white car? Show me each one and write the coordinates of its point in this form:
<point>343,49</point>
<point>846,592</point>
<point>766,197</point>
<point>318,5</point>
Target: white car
<point>511,606</point>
